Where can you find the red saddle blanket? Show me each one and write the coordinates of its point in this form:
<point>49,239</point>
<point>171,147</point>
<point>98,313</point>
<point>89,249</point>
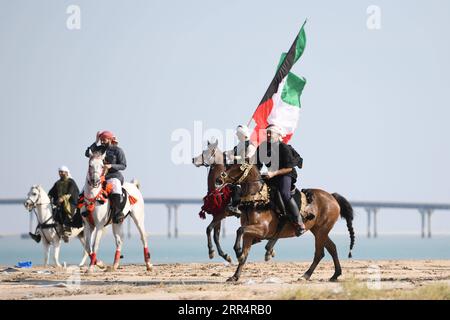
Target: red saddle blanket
<point>101,197</point>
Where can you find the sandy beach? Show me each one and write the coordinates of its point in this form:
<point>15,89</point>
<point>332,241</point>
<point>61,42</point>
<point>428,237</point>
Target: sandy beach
<point>393,279</point>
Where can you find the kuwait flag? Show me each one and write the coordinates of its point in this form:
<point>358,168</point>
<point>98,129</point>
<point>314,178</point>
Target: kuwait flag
<point>281,102</point>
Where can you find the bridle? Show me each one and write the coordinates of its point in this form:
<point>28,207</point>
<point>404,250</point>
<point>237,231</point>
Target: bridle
<point>45,224</point>
<point>100,181</point>
<point>211,157</point>
<point>35,203</point>
<point>245,169</point>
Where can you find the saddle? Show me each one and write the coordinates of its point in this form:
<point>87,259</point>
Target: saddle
<point>270,197</point>
<point>101,198</point>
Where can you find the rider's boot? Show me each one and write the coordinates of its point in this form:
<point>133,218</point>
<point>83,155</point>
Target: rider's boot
<point>294,213</point>
<point>117,214</point>
<point>35,237</point>
<point>233,206</point>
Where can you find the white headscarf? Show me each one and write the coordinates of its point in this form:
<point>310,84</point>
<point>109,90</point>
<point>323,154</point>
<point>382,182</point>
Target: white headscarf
<point>65,169</point>
<point>276,129</point>
<point>244,130</point>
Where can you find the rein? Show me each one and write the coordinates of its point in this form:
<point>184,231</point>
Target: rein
<point>245,168</point>
<point>45,224</point>
<point>213,154</point>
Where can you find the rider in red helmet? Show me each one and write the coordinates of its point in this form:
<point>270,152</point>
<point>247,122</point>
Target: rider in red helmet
<point>115,162</point>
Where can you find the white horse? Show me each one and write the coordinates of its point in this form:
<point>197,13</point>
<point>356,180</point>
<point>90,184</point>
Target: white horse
<point>97,217</point>
<point>39,202</point>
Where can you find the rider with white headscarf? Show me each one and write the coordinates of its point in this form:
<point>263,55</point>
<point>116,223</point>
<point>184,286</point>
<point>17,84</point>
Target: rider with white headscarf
<point>239,154</point>
<point>64,195</point>
<point>281,160</point>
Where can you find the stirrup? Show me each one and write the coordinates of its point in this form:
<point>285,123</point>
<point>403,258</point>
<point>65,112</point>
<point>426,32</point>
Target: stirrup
<point>235,210</point>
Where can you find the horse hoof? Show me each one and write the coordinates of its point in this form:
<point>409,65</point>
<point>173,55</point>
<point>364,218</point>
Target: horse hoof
<point>267,257</point>
<point>149,267</point>
<point>232,279</point>
<point>100,264</point>
<point>334,279</point>
<point>273,253</point>
<point>228,258</point>
<point>211,254</point>
<point>90,270</point>
<point>305,277</point>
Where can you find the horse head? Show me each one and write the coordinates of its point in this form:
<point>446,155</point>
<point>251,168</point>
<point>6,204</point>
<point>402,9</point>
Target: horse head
<point>36,196</point>
<point>97,169</point>
<point>209,156</point>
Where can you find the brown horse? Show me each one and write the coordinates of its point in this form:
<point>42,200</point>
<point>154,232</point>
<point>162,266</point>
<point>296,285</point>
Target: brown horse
<point>258,224</point>
<point>212,157</point>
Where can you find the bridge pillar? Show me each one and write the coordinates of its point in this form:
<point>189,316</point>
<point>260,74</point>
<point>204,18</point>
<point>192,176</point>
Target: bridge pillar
<point>422,214</point>
<point>169,214</point>
<point>369,211</point>
<point>375,211</point>
<point>223,228</point>
<point>175,209</point>
<point>429,222</point>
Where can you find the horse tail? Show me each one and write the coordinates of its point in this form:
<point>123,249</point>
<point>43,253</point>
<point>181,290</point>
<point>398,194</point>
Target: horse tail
<point>347,214</point>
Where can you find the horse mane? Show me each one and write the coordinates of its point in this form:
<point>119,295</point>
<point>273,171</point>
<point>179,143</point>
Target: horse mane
<point>96,155</point>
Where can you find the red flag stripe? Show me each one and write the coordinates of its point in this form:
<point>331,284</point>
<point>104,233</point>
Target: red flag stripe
<point>260,116</point>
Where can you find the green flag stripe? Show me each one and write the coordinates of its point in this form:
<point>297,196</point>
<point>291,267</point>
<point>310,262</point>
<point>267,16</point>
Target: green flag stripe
<point>292,89</point>
<point>300,44</point>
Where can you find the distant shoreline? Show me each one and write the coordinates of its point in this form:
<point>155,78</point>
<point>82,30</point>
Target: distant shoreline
<point>201,234</point>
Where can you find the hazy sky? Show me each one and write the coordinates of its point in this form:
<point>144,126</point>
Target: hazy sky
<point>374,117</point>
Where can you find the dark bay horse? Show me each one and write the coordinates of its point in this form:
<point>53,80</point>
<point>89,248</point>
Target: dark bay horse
<point>213,158</point>
<point>259,224</point>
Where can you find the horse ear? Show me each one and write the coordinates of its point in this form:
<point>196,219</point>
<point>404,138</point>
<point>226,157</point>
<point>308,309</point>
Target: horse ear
<point>90,153</point>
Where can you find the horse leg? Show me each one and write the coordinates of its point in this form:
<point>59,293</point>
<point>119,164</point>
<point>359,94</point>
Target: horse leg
<point>270,253</point>
<point>87,231</point>
<point>85,253</point>
<point>57,247</point>
<point>140,226</point>
<point>331,248</point>
<point>247,243</point>
<point>95,242</point>
<point>117,231</point>
<point>208,236</point>
<point>320,239</point>
<point>46,252</point>
<point>237,244</point>
<point>217,242</point>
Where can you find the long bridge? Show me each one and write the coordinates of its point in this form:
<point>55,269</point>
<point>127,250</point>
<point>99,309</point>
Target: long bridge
<point>372,209</point>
